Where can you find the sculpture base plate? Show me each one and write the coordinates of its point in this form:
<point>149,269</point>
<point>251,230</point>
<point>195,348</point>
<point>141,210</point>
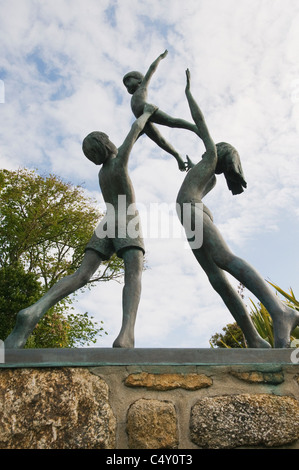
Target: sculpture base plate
<point>90,357</point>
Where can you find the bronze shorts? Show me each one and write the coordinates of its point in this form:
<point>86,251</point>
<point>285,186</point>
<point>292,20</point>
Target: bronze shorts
<point>107,245</point>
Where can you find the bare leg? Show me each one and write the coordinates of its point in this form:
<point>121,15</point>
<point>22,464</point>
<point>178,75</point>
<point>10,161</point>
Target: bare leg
<point>29,317</point>
<point>159,117</point>
<point>152,132</point>
<point>285,319</point>
<point>133,261</point>
<point>231,299</point>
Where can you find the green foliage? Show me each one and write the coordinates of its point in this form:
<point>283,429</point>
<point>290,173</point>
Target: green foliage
<point>61,329</point>
<point>17,288</point>
<point>262,322</point>
<point>291,300</point>
<point>45,224</point>
<point>232,337</point>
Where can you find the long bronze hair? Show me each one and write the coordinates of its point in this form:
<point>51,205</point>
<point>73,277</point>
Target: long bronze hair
<point>229,164</point>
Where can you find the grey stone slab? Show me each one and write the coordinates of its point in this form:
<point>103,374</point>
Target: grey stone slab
<point>164,356</point>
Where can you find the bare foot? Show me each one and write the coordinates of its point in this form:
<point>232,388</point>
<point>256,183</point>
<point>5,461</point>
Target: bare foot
<point>284,326</point>
<point>25,324</point>
<point>123,341</point>
<point>258,343</point>
<point>181,164</point>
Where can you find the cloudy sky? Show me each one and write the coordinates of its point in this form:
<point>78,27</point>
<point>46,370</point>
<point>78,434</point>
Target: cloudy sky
<point>61,69</point>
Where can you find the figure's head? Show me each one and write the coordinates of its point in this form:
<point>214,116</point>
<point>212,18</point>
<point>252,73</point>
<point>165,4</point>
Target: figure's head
<point>229,164</point>
<point>132,81</point>
<point>98,148</point>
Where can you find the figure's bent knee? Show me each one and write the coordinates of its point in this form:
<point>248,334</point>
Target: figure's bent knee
<point>223,260</point>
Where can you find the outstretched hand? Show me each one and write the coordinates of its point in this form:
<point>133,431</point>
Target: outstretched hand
<point>188,77</point>
<point>164,54</point>
<point>189,164</point>
<point>185,166</point>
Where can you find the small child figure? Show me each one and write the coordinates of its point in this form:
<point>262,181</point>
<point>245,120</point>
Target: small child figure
<point>137,85</point>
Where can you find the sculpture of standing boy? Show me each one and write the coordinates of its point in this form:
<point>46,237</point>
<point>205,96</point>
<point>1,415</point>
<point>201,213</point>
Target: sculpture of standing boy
<point>114,182</point>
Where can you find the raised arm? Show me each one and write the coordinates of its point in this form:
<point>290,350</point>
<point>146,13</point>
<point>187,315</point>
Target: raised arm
<point>198,116</point>
<point>137,127</point>
<point>153,67</point>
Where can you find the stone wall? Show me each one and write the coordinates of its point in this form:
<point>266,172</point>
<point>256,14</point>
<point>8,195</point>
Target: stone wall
<point>149,406</point>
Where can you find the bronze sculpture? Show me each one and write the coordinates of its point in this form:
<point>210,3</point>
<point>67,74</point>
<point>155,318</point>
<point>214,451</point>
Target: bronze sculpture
<point>114,182</point>
<point>137,86</point>
<point>214,256</point>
